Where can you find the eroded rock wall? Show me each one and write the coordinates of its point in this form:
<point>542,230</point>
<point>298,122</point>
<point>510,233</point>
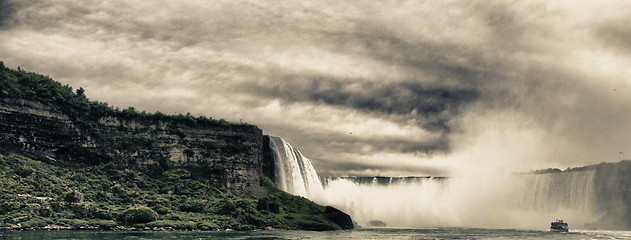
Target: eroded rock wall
<point>228,154</point>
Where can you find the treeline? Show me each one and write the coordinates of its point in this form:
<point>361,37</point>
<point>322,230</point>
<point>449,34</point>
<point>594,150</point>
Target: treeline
<point>21,84</point>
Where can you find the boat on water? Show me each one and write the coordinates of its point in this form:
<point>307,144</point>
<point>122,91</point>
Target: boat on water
<point>558,226</point>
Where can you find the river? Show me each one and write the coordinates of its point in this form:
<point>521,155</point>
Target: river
<point>374,233</point>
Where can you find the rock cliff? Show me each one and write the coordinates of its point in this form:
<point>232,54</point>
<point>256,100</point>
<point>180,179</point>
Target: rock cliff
<point>229,154</point>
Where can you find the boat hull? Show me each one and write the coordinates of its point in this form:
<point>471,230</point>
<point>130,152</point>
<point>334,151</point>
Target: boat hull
<point>558,230</point>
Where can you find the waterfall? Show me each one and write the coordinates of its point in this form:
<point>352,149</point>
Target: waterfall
<point>582,197</point>
<point>552,191</point>
<point>294,172</point>
<point>512,201</point>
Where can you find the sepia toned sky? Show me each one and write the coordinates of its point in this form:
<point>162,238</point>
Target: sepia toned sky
<point>390,88</point>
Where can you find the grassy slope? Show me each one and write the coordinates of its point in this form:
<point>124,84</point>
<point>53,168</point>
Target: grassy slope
<point>35,194</point>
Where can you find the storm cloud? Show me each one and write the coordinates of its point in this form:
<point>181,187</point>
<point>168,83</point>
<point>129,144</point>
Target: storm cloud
<point>6,14</point>
<point>360,87</point>
<point>431,107</point>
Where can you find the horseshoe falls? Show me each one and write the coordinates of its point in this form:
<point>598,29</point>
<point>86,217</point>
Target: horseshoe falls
<point>519,201</point>
<point>592,197</point>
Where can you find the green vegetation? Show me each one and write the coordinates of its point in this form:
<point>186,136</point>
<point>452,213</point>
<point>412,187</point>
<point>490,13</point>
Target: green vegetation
<point>34,194</point>
<point>139,214</point>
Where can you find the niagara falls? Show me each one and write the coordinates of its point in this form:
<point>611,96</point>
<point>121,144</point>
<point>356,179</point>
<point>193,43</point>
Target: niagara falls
<point>518,200</point>
<point>355,119</point>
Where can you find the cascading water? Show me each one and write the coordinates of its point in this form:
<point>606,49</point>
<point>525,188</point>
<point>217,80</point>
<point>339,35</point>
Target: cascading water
<point>294,172</point>
<point>552,191</point>
<point>510,201</point>
<point>515,201</point>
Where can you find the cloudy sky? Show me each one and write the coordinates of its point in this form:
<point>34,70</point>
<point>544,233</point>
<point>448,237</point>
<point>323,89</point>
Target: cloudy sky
<point>360,87</point>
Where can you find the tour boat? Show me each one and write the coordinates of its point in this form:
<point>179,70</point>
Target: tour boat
<point>558,226</point>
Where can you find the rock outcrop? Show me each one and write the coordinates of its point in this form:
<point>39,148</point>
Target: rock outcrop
<point>340,218</point>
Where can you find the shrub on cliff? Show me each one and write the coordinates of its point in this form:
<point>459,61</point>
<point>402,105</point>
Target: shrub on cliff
<point>73,196</point>
<point>193,205</point>
<point>138,214</point>
<point>267,204</point>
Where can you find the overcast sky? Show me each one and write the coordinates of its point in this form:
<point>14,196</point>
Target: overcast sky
<point>360,87</point>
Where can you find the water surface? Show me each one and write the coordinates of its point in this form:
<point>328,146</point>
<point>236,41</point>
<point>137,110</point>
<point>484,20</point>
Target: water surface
<point>377,233</point>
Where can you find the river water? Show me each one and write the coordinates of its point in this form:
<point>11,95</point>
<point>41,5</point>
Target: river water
<point>375,233</point>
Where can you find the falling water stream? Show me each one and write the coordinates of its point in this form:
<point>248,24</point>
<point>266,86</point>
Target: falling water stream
<point>509,201</point>
<point>294,172</point>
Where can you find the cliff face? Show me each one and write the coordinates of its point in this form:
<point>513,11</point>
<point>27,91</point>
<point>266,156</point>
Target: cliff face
<point>34,129</point>
<point>229,155</point>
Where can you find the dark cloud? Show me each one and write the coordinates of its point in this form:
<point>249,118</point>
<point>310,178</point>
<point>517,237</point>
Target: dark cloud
<point>431,107</point>
<point>7,12</point>
<point>429,61</point>
<point>616,33</point>
<point>435,89</point>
